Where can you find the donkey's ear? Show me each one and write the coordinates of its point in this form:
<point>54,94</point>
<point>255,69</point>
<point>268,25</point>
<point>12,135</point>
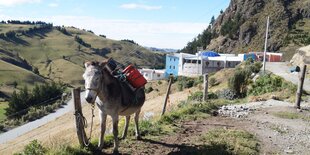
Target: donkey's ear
<point>86,64</point>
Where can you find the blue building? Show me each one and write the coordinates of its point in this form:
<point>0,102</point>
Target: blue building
<point>172,64</point>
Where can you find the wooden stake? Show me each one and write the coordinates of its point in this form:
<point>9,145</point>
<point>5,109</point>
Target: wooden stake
<point>78,115</point>
<point>205,89</point>
<point>167,95</point>
<point>300,86</point>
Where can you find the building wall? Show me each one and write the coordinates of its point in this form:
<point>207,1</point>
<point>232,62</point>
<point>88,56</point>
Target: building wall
<point>152,75</point>
<point>207,66</point>
<point>172,67</point>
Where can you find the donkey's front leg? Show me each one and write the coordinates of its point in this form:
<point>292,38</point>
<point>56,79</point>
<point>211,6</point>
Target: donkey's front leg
<point>103,118</point>
<point>115,133</point>
<point>126,127</point>
<point>138,136</point>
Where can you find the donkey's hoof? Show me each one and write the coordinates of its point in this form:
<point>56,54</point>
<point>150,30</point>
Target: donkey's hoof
<point>138,137</point>
<point>115,152</point>
<point>100,147</point>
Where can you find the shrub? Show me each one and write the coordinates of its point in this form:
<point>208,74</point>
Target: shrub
<point>159,82</point>
<point>185,82</point>
<point>212,82</point>
<point>268,83</point>
<point>239,81</point>
<point>197,96</point>
<point>34,148</point>
<point>255,68</point>
<point>212,95</point>
<point>148,90</point>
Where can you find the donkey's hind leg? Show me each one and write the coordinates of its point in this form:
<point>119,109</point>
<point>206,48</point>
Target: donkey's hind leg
<point>126,127</point>
<point>138,136</point>
<point>115,133</point>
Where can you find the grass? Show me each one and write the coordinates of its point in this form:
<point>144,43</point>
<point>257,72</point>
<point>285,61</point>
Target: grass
<point>291,115</point>
<point>221,141</point>
<point>9,74</point>
<point>3,105</point>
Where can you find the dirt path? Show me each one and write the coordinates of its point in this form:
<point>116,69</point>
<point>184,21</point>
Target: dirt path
<point>276,135</point>
<point>62,130</point>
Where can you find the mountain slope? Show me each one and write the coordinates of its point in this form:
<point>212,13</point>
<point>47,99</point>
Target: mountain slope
<point>58,53</point>
<point>13,77</point>
<point>241,28</point>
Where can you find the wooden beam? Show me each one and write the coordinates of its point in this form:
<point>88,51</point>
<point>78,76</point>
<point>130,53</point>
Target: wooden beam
<point>78,116</point>
<point>300,86</point>
<point>167,95</point>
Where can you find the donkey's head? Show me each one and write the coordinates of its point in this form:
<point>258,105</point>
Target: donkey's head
<point>93,77</point>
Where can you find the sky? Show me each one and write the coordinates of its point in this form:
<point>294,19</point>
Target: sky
<point>152,23</point>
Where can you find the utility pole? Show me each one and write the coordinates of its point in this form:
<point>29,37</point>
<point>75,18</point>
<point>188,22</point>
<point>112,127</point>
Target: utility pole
<point>265,49</point>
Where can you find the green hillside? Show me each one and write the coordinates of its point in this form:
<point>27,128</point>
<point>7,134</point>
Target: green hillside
<point>13,77</point>
<point>58,53</point>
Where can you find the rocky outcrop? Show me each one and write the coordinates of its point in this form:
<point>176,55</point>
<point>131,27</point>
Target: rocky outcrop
<point>251,16</point>
<point>301,57</point>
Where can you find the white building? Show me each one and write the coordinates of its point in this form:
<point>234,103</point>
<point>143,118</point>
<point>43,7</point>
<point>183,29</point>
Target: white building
<point>206,62</point>
<point>152,74</point>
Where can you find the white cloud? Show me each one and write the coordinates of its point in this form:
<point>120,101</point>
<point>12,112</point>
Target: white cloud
<point>157,34</point>
<point>153,34</point>
<point>140,6</point>
<point>16,2</point>
<point>53,5</point>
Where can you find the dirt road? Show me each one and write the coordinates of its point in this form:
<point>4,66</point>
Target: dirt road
<point>282,69</point>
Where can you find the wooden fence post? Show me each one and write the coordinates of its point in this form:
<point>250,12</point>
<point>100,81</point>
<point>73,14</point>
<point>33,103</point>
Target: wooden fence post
<point>167,95</point>
<point>205,89</point>
<point>300,86</point>
<point>78,115</point>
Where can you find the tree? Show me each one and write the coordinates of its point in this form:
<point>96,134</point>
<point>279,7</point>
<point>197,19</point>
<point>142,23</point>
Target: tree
<point>212,20</point>
<point>36,71</point>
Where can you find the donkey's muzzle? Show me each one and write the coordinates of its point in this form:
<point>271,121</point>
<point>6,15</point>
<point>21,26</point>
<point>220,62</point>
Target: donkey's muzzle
<point>89,99</point>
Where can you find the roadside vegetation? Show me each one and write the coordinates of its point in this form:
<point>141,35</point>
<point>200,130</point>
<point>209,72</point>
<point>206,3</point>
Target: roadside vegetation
<point>25,105</point>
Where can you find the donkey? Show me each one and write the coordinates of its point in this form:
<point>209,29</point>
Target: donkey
<point>112,98</point>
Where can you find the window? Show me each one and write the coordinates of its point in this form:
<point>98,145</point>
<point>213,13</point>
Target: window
<point>158,75</point>
<point>218,64</point>
<point>199,61</point>
<point>173,67</point>
<point>170,59</point>
<point>229,64</point>
<point>170,67</point>
<point>207,63</point>
<point>174,59</point>
<point>146,75</point>
<point>194,61</point>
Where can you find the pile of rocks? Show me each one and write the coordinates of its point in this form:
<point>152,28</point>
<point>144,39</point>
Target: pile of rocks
<point>236,111</point>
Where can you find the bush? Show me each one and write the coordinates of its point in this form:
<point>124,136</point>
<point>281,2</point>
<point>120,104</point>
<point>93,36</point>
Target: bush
<point>268,83</point>
<point>159,82</point>
<point>212,95</point>
<point>197,96</point>
<point>239,81</point>
<point>34,148</point>
<point>148,90</point>
<point>255,68</point>
<point>212,82</point>
<point>185,82</point>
